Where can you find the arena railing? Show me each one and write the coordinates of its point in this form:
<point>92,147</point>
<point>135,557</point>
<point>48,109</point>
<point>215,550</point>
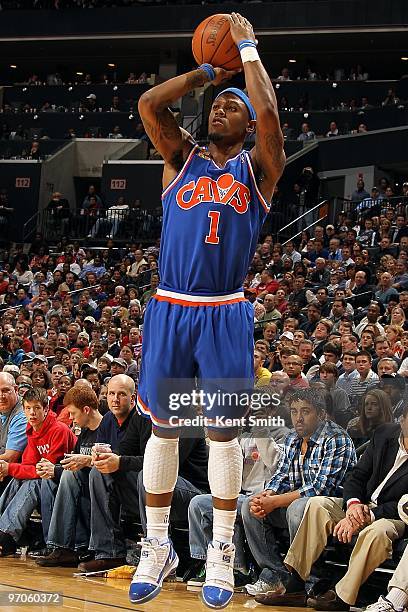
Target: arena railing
<point>30,227</point>
<point>311,217</point>
<point>121,225</point>
<point>351,208</point>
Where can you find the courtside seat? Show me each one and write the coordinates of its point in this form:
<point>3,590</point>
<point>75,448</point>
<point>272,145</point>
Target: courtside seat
<point>337,553</point>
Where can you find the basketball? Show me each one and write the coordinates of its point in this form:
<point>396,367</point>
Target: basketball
<point>212,43</point>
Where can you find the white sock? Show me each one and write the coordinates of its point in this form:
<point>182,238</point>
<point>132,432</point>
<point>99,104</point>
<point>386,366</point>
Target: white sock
<point>223,525</point>
<point>398,597</point>
<point>158,523</point>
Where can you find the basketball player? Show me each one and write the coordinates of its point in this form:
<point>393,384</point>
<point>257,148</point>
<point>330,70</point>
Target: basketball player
<point>199,324</point>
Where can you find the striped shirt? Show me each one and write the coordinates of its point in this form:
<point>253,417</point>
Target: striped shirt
<point>358,387</point>
<point>322,469</point>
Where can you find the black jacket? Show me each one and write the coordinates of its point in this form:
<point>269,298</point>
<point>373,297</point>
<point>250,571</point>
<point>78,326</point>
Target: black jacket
<point>363,296</point>
<point>318,350</point>
<point>59,214</point>
<point>312,362</point>
<point>382,252</point>
<point>308,327</point>
<point>299,297</point>
<point>320,278</point>
<point>374,465</point>
<point>397,234</point>
<point>193,452</point>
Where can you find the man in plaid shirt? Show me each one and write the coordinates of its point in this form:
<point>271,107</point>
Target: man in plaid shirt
<point>316,458</point>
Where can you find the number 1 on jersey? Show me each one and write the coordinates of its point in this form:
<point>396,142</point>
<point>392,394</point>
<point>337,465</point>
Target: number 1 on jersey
<point>212,236</point>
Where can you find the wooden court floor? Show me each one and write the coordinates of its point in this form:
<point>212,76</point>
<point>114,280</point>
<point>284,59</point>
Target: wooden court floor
<point>20,576</point>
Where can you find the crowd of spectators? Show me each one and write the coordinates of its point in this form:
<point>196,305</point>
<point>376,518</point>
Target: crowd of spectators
<point>92,217</point>
<point>115,76</point>
<point>82,4</point>
<point>285,102</point>
<point>91,4</point>
<point>91,104</point>
<point>331,340</point>
<point>356,106</point>
<point>82,108</point>
<point>112,77</point>
<point>307,134</point>
<point>355,73</point>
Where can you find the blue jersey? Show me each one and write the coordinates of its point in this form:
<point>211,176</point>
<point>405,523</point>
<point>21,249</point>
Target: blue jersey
<point>211,222</point>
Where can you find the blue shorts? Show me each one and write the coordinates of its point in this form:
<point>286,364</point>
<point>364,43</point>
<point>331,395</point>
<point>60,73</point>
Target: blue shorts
<point>185,343</point>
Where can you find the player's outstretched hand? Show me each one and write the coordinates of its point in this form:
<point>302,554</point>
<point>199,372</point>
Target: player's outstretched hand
<point>241,28</point>
<point>222,75</point>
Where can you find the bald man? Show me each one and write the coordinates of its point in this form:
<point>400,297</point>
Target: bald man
<point>94,487</point>
<point>13,423</point>
<point>116,480</point>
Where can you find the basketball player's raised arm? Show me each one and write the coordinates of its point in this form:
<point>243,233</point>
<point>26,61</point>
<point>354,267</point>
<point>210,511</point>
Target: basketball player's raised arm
<point>268,153</point>
<point>172,142</point>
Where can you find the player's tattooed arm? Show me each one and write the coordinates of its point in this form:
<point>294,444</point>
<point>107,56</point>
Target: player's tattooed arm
<point>172,142</point>
<point>273,145</point>
<point>195,79</point>
<point>268,154</point>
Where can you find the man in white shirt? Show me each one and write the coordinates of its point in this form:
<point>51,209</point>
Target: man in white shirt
<point>73,266</point>
<point>373,313</point>
<point>291,253</point>
<point>133,270</point>
<point>333,130</point>
<point>371,495</point>
<point>114,216</point>
<point>346,255</point>
<point>306,133</point>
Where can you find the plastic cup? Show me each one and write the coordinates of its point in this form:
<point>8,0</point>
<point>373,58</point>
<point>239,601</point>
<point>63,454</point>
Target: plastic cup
<point>102,447</point>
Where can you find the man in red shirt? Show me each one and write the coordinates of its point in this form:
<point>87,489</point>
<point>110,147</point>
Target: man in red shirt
<point>46,439</point>
<point>268,284</point>
<point>119,293</point>
<point>22,329</point>
<point>294,368</point>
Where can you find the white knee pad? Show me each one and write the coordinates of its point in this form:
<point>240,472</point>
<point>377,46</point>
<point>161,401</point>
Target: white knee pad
<point>160,466</point>
<point>225,469</point>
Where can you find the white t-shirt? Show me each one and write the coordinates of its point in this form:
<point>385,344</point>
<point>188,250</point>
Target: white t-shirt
<point>117,212</point>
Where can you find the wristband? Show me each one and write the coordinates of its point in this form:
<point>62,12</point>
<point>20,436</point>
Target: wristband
<point>209,70</point>
<point>246,43</point>
<point>249,54</point>
<point>247,50</point>
<point>352,502</point>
